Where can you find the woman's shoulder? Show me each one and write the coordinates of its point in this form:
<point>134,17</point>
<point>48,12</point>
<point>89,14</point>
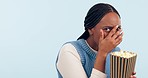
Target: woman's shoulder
<point>71,45</point>
<point>68,49</point>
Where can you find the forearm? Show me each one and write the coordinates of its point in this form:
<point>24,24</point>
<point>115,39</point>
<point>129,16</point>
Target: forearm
<point>100,61</point>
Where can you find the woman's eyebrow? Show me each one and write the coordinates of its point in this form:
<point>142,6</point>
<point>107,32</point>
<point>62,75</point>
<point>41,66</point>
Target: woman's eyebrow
<point>108,26</point>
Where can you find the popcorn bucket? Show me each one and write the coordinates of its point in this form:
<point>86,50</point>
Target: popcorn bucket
<point>122,64</point>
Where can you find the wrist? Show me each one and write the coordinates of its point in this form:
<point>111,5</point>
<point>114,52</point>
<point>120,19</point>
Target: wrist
<point>100,61</point>
<point>102,54</point>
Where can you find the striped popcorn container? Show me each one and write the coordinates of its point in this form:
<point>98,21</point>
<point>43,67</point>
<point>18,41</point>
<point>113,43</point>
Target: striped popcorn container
<point>122,64</point>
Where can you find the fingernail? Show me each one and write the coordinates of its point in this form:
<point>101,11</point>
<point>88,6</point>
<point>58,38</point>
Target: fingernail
<point>117,26</point>
<point>121,32</point>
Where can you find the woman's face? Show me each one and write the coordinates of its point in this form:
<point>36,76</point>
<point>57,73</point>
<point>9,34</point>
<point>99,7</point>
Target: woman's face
<point>109,21</point>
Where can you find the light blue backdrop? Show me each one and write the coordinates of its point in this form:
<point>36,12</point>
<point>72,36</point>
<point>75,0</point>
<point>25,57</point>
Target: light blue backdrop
<point>32,32</point>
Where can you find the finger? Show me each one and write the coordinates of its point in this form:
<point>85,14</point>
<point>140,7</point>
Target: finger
<point>133,73</point>
<point>120,35</point>
<point>119,39</point>
<point>112,32</point>
<point>132,76</point>
<point>101,34</point>
<point>117,34</point>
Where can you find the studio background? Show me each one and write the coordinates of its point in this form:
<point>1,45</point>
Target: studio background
<point>33,31</point>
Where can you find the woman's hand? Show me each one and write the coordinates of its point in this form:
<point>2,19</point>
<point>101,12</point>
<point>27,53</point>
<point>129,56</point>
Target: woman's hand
<point>133,75</point>
<point>106,44</point>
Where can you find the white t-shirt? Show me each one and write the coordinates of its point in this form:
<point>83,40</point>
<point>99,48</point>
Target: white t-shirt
<point>70,66</point>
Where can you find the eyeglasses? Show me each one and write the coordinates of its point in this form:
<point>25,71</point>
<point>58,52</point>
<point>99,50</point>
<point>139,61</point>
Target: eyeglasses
<point>109,28</point>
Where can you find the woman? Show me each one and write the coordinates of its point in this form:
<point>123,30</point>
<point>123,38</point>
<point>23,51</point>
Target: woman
<point>88,57</point>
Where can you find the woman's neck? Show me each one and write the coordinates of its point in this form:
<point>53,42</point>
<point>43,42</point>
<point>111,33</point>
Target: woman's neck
<point>92,43</point>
